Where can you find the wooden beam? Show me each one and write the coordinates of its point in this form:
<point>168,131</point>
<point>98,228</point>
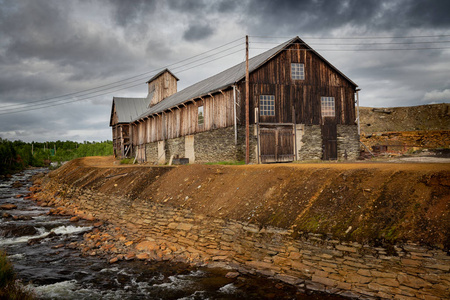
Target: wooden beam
<point>247,113</point>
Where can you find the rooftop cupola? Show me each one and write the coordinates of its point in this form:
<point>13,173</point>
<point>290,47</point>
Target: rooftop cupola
<point>161,86</point>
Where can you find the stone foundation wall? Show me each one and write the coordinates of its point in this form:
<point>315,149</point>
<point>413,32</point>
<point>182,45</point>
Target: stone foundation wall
<point>311,146</point>
<point>175,147</point>
<point>215,145</point>
<point>151,152</point>
<point>311,261</point>
<point>347,141</point>
<point>209,146</point>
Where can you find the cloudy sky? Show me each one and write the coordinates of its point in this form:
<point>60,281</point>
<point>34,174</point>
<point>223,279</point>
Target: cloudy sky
<point>62,62</point>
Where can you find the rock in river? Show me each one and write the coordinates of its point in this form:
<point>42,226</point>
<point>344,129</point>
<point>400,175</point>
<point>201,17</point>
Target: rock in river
<point>8,206</point>
<point>14,230</point>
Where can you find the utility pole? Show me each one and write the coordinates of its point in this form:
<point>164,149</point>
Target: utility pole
<point>247,109</point>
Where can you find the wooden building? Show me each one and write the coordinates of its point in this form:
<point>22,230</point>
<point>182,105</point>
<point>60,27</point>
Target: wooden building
<point>301,108</point>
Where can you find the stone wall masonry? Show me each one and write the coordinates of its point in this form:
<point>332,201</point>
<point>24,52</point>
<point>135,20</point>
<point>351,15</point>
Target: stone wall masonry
<point>311,261</point>
<point>209,146</point>
<point>151,152</point>
<point>215,145</point>
<point>311,148</point>
<point>347,141</point>
<point>175,147</point>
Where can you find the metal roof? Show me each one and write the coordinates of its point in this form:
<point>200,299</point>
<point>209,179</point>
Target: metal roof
<point>160,73</point>
<point>225,79</point>
<point>128,109</point>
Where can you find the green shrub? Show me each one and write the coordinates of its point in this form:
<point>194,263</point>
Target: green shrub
<point>6,270</point>
<point>127,161</point>
<point>10,289</point>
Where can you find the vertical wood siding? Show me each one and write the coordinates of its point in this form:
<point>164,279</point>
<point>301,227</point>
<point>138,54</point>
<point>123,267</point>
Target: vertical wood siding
<point>274,78</point>
<point>181,121</point>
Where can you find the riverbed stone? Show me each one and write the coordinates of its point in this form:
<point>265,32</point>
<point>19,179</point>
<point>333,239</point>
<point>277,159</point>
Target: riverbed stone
<point>8,206</point>
<point>147,246</point>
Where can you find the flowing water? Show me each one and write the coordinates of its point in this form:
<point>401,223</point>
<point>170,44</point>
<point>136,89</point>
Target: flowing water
<point>36,245</point>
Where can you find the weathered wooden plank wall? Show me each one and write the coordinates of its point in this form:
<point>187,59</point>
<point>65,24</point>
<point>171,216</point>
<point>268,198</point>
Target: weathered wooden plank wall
<point>218,113</point>
<point>162,87</point>
<point>274,78</point>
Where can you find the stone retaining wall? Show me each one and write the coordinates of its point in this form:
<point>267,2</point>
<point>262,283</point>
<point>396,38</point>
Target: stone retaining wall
<point>311,261</point>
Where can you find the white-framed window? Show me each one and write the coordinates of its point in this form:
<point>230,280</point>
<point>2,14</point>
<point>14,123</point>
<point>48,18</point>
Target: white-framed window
<point>201,117</point>
<point>297,71</point>
<point>327,106</point>
<point>267,105</point>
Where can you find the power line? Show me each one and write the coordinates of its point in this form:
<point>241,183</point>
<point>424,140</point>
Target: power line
<point>46,105</point>
<point>360,50</point>
<point>359,44</point>
<point>98,89</point>
<point>129,78</point>
<point>355,38</point>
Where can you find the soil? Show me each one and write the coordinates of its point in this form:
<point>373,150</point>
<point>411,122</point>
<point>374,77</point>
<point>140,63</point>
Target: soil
<point>366,202</point>
<point>423,117</point>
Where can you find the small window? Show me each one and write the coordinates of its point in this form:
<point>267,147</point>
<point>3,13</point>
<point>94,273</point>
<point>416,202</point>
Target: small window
<point>267,105</point>
<point>327,104</point>
<point>201,118</point>
<point>297,71</point>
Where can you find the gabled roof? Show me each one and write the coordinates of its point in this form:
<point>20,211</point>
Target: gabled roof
<point>128,109</point>
<point>226,79</point>
<point>160,73</point>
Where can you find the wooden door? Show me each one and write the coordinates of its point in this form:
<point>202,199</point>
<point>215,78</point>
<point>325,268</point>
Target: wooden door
<point>276,144</point>
<point>329,139</point>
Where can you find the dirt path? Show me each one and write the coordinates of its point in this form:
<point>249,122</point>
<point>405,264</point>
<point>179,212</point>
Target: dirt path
<point>411,164</point>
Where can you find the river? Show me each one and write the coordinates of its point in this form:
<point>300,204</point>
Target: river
<point>38,245</point>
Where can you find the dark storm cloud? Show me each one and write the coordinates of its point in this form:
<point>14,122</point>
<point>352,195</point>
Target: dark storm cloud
<point>196,32</point>
<point>51,47</point>
<point>128,12</point>
<point>369,15</point>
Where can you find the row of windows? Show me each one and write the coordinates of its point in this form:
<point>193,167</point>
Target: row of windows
<point>267,102</point>
<point>267,106</point>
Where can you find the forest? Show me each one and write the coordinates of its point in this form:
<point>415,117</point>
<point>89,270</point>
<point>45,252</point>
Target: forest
<point>18,155</point>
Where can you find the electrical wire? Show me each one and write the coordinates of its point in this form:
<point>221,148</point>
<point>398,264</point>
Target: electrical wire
<point>155,71</point>
<point>61,102</point>
<point>359,44</point>
<point>355,38</point>
<point>97,89</point>
<point>359,50</point>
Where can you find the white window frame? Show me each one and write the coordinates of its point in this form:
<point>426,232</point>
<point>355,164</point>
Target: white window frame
<point>328,106</point>
<point>200,115</point>
<point>267,105</point>
<point>298,71</point>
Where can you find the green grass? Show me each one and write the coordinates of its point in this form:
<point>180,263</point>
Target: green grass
<point>9,287</point>
<point>240,162</point>
<point>127,161</point>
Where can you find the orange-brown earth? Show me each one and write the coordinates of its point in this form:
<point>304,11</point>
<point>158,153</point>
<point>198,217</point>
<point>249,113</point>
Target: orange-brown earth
<point>365,202</point>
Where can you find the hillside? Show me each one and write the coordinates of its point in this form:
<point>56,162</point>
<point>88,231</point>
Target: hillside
<point>400,130</point>
<point>412,118</point>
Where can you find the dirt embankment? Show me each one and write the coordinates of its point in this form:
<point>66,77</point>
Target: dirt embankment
<point>366,202</point>
<point>412,118</point>
<point>400,130</point>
